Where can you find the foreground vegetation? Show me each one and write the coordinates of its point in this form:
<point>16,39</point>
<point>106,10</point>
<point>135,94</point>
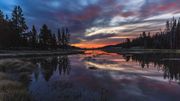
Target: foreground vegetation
<point>14,78</point>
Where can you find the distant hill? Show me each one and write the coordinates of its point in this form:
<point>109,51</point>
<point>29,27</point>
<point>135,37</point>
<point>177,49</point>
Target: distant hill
<point>111,46</point>
<point>73,47</point>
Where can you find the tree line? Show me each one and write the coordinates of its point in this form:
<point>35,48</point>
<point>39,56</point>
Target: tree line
<point>14,34</point>
<point>167,39</point>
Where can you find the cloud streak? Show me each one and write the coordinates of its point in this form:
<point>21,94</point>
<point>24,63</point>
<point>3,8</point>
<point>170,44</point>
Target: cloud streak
<point>98,21</point>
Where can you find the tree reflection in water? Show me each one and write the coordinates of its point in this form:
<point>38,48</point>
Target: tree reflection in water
<point>21,69</point>
<point>51,64</point>
<point>169,63</point>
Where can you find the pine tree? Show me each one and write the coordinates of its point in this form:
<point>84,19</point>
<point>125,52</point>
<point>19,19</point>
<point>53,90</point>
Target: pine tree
<point>67,37</point>
<point>1,16</point>
<point>7,18</point>
<point>178,35</point>
<point>63,38</point>
<point>18,25</point>
<point>54,41</point>
<point>18,20</point>
<point>1,29</point>
<point>34,37</point>
<point>59,38</point>
<point>6,32</point>
<point>45,37</point>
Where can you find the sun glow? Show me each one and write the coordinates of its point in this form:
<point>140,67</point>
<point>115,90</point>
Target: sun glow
<point>92,45</point>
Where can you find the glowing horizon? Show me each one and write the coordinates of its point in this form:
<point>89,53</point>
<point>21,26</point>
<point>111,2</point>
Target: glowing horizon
<point>91,45</point>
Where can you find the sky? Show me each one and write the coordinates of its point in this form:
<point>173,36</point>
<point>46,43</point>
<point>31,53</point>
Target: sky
<point>96,23</point>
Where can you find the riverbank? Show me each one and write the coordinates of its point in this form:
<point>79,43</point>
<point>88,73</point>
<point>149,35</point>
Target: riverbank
<point>136,51</point>
<point>21,53</point>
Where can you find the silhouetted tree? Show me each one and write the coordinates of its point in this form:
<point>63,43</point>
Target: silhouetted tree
<point>63,37</point>
<point>1,29</point>
<point>18,24</point>
<point>34,37</point>
<point>54,41</point>
<point>1,16</point>
<point>178,35</point>
<point>7,37</point>
<point>18,20</point>
<point>14,34</point>
<point>45,37</point>
<point>59,38</point>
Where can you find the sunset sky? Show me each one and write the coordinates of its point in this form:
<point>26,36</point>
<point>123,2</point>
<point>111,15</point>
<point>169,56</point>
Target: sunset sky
<point>96,23</point>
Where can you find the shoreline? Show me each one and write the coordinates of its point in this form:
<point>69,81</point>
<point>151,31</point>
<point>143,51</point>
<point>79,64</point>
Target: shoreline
<point>25,53</point>
<point>139,51</point>
<point>36,53</point>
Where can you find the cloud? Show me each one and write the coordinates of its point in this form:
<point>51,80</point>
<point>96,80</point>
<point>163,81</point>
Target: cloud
<point>163,17</point>
<point>102,20</point>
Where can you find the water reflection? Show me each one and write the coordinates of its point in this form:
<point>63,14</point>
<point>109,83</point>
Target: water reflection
<point>21,69</point>
<point>169,63</point>
<point>48,66</point>
<point>97,76</point>
<point>17,75</point>
<point>166,63</point>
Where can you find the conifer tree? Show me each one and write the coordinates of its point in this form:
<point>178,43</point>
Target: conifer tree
<point>34,37</point>
<point>45,36</point>
<point>18,20</point>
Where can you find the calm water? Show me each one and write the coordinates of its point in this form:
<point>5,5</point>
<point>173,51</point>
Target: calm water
<point>101,76</point>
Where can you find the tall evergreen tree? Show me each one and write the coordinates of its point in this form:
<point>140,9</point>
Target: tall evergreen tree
<point>1,16</point>
<point>59,38</point>
<point>1,29</point>
<point>18,25</point>
<point>7,18</point>
<point>18,20</point>
<point>54,41</point>
<point>6,32</point>
<point>178,35</point>
<point>67,36</point>
<point>45,36</point>
<point>63,37</point>
<point>34,37</point>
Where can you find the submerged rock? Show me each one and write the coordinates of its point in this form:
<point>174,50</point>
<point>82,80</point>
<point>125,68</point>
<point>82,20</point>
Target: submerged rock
<point>93,68</point>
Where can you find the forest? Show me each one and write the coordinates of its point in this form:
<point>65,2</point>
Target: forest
<point>14,34</point>
<point>167,39</point>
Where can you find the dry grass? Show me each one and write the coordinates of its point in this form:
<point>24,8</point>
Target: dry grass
<point>11,89</point>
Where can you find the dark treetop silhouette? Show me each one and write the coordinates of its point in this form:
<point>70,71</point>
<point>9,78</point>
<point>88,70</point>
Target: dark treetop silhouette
<point>14,34</point>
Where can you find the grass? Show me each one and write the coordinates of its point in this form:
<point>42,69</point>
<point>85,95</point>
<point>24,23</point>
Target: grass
<point>13,91</point>
<point>10,88</point>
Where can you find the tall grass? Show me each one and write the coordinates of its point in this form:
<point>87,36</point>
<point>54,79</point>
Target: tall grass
<point>11,87</point>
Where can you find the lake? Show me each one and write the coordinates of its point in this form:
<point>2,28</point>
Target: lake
<point>93,76</point>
